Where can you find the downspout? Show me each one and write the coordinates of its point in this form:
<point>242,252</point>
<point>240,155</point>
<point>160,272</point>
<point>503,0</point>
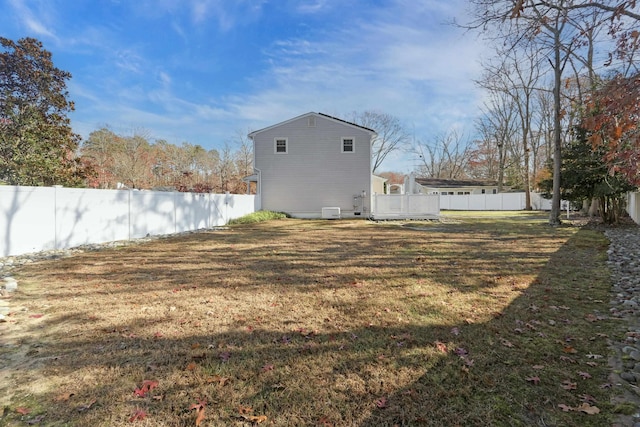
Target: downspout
<point>259,172</point>
<point>258,187</point>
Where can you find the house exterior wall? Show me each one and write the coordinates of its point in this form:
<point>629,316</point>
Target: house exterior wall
<point>314,172</point>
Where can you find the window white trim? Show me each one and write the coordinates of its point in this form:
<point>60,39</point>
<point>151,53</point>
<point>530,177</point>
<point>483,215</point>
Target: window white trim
<point>286,145</point>
<point>347,139</point>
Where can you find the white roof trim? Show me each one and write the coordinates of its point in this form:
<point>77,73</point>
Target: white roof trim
<point>324,116</point>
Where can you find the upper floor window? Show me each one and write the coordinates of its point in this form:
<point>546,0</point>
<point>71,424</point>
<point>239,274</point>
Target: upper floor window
<point>348,145</point>
<point>281,146</point>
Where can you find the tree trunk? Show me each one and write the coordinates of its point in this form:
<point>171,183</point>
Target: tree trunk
<point>554,217</point>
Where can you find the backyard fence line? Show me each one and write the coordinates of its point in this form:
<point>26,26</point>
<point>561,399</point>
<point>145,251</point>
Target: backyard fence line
<point>405,206</point>
<point>633,206</point>
<point>493,202</point>
<point>34,219</point>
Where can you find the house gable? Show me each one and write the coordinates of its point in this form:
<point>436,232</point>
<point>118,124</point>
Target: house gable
<point>314,161</point>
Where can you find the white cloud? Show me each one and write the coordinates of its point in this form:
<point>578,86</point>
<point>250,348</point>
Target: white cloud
<point>39,25</point>
<point>389,61</point>
<point>311,6</point>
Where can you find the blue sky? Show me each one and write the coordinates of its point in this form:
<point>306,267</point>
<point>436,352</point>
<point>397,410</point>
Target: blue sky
<point>202,71</point>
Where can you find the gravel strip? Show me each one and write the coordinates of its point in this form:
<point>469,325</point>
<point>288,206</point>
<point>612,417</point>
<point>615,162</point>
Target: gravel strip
<point>624,263</point>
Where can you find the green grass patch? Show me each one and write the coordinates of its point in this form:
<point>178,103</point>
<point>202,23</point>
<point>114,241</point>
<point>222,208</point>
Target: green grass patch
<point>259,216</point>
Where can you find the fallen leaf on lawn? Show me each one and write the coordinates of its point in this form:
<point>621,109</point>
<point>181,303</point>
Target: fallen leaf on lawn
<point>442,347</point>
<point>594,356</point>
<point>507,343</point>
<point>567,359</point>
<point>565,408</point>
<point>606,385</point>
<point>199,407</point>
<point>195,346</point>
<point>200,416</point>
<point>22,410</point>
<point>64,397</point>
<point>591,364</point>
<point>324,421</point>
<point>587,398</point>
<point>35,420</point>
<point>588,409</point>
<point>570,350</point>
<point>138,415</point>
<point>534,380</point>
<point>267,368</point>
<point>146,387</point>
<point>150,384</point>
<point>461,352</point>
<point>225,356</point>
<point>86,407</point>
<point>244,409</point>
<point>191,366</point>
<point>382,402</point>
<point>218,379</point>
<point>140,392</point>
<point>256,418</point>
<point>538,367</point>
<point>455,331</point>
<point>36,316</point>
<point>568,385</point>
<point>157,335</point>
<point>584,375</point>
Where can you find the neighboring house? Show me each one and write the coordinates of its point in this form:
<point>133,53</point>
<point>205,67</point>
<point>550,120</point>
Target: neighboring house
<point>311,162</point>
<point>379,185</point>
<point>450,186</point>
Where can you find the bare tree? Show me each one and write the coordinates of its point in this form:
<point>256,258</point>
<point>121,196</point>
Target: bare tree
<point>391,135</point>
<point>516,75</point>
<point>497,127</point>
<point>555,27</point>
<point>243,155</point>
<point>447,157</point>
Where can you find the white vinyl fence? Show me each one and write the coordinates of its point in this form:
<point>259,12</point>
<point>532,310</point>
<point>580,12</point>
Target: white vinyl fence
<point>493,202</point>
<point>405,206</point>
<point>33,219</point>
<point>633,206</point>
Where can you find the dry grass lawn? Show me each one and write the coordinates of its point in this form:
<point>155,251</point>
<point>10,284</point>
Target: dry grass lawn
<point>471,322</point>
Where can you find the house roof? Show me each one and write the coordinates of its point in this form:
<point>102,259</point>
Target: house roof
<point>326,116</point>
<point>453,183</point>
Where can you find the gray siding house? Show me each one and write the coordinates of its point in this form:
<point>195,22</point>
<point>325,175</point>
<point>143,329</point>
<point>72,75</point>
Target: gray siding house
<point>313,162</point>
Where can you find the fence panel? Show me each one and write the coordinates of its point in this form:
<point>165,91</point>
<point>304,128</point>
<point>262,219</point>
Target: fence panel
<point>85,216</point>
<point>33,219</point>
<point>405,206</point>
<point>152,213</point>
<point>192,211</point>
<point>633,206</point>
<point>27,219</point>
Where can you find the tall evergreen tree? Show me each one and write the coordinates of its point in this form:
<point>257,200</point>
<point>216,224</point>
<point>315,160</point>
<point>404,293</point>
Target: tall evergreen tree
<point>37,144</point>
<point>585,175</point>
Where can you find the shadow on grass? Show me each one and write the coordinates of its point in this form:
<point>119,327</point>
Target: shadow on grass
<point>506,311</point>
